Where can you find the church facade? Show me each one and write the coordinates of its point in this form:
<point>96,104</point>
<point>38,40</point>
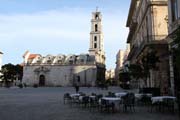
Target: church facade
<point>66,70</point>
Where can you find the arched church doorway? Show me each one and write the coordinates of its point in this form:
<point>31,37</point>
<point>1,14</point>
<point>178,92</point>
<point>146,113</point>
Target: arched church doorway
<point>42,80</point>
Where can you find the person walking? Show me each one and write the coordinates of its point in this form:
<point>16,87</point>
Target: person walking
<point>77,84</point>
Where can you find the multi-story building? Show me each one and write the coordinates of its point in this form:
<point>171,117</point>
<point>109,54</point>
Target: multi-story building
<point>66,70</point>
<point>1,54</point>
<point>119,63</point>
<point>147,31</point>
<point>174,24</point>
<point>110,74</point>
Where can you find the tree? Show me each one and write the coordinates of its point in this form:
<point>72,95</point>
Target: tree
<point>136,71</point>
<point>149,62</point>
<point>176,49</point>
<point>10,72</point>
<point>142,69</point>
<point>176,53</point>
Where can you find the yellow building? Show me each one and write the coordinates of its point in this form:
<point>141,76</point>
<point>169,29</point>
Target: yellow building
<point>147,32</point>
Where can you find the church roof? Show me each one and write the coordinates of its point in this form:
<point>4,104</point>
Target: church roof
<point>32,56</point>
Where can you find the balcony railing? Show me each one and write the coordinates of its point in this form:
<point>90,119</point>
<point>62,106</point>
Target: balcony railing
<point>147,40</point>
<point>151,40</point>
<point>133,51</point>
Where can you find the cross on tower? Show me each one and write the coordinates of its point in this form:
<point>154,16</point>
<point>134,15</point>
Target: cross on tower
<point>97,9</point>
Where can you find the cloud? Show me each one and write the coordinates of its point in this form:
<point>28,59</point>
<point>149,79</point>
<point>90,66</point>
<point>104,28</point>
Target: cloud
<point>58,31</point>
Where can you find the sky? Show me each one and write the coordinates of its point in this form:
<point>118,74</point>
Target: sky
<point>60,27</point>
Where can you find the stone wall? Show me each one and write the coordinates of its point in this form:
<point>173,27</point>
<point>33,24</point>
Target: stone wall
<point>60,75</point>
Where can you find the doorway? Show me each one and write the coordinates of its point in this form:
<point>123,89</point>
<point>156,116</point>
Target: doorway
<point>42,80</point>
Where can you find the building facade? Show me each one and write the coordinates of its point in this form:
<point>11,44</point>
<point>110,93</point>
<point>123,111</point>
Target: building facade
<point>147,32</point>
<point>121,61</point>
<point>66,70</point>
<point>1,55</point>
<point>110,74</point>
<point>174,24</point>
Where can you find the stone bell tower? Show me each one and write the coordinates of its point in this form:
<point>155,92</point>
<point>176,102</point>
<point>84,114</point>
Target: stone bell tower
<point>96,38</point>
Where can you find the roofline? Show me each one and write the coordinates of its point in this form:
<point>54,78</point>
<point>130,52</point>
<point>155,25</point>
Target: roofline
<point>131,11</point>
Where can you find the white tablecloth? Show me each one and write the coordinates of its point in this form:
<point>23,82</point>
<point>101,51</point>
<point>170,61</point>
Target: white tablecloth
<point>75,95</point>
<point>114,100</point>
<point>161,98</point>
<point>120,94</point>
<point>140,95</point>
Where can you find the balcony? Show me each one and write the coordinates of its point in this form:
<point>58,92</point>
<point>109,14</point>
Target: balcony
<point>174,26</point>
<point>132,30</point>
<point>152,40</point>
<point>132,52</point>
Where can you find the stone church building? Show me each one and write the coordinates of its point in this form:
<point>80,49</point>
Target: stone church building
<point>66,70</point>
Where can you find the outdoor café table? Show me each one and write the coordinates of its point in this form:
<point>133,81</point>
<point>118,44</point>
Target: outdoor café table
<point>120,94</point>
<point>161,98</point>
<point>92,97</point>
<point>114,100</point>
<point>140,95</point>
<point>75,95</point>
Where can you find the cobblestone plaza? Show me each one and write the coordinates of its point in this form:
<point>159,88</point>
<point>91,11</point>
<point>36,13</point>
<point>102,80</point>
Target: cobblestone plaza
<point>47,104</point>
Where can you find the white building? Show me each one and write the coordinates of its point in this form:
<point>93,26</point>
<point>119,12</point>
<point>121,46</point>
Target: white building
<point>66,70</point>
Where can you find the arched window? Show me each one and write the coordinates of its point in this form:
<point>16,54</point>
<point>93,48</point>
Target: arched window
<point>95,45</point>
<point>96,16</point>
<point>95,38</point>
<point>96,27</point>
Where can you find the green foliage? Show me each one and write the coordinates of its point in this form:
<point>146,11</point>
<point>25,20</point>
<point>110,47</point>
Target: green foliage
<point>176,50</point>
<point>10,72</point>
<point>136,71</point>
<point>147,63</point>
<point>124,76</point>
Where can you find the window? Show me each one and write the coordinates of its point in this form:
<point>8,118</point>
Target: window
<point>96,27</point>
<point>174,10</point>
<point>82,60</point>
<point>49,61</point>
<point>95,45</point>
<point>70,62</point>
<point>59,61</point>
<point>96,16</point>
<point>95,38</point>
